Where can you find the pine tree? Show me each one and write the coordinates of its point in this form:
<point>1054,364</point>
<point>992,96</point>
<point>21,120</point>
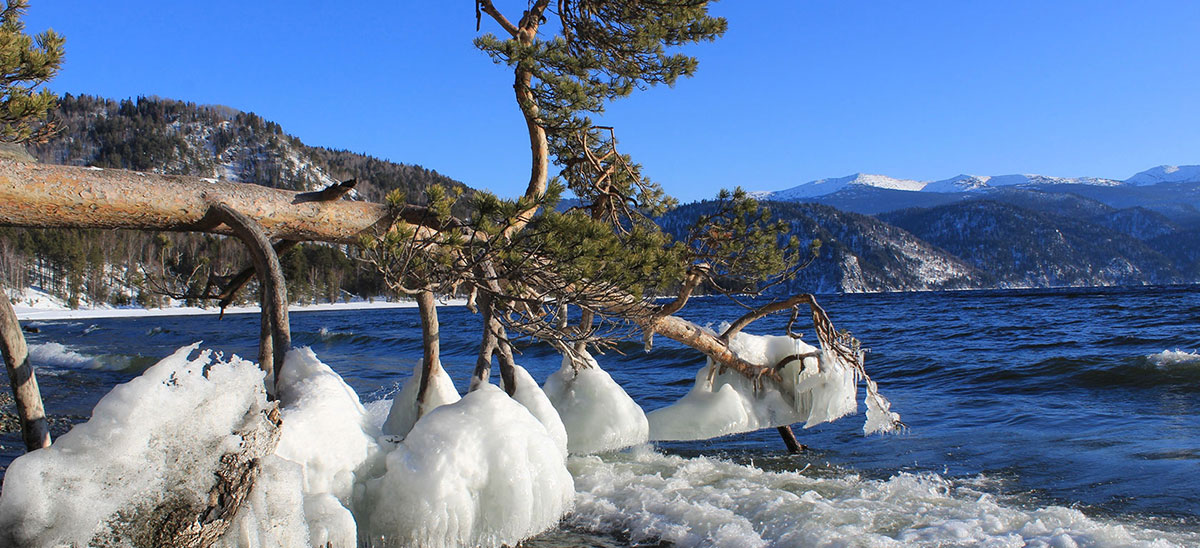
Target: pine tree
<point>26,63</point>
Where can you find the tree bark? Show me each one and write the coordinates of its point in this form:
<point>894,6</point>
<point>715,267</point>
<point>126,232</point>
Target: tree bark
<point>789,439</point>
<point>48,196</point>
<point>276,336</point>
<point>487,345</point>
<point>430,361</point>
<point>198,520</point>
<point>35,429</point>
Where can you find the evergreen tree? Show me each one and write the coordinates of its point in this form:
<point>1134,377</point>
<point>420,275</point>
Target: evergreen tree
<point>26,62</point>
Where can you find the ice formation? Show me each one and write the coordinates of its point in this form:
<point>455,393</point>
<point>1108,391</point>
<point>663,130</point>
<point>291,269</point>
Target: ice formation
<point>148,438</point>
<point>818,388</point>
<point>328,441</point>
<point>481,471</point>
<point>404,411</point>
<point>597,413</point>
<point>529,394</point>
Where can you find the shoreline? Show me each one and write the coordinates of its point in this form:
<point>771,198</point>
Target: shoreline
<point>28,313</point>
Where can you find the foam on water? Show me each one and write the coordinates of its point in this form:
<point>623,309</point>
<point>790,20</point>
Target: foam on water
<point>1174,358</point>
<point>58,355</point>
<point>702,501</point>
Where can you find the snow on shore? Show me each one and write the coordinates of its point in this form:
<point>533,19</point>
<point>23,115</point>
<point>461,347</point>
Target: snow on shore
<point>36,305</point>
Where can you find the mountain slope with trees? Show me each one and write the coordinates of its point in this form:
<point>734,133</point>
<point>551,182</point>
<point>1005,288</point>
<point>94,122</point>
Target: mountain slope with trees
<point>180,138</point>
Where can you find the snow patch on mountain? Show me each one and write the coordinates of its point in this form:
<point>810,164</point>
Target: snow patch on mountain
<point>971,183</point>
<point>1166,174</point>
<point>822,187</point>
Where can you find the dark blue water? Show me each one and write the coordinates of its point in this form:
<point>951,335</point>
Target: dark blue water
<point>1061,397</point>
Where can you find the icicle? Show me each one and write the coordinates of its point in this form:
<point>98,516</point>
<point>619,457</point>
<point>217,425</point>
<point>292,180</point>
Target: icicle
<point>880,418</point>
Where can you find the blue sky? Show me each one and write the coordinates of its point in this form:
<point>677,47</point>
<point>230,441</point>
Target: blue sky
<point>795,91</point>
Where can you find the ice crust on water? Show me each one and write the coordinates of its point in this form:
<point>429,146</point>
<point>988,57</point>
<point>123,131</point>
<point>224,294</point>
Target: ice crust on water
<point>815,389</point>
<point>701,501</point>
<point>482,471</point>
<point>147,437</point>
<point>404,410</point>
<point>597,413</point>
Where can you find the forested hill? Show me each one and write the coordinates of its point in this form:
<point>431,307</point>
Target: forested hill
<point>166,136</point>
<point>174,137</point>
<point>1060,240</point>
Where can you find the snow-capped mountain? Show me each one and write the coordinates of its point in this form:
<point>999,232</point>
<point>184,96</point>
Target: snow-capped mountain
<point>975,183</point>
<point>1166,174</point>
<point>822,187</point>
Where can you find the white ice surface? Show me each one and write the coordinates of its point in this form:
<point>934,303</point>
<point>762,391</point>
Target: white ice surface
<point>482,471</point>
<point>326,437</point>
<point>814,390</point>
<point>529,394</point>
<point>404,411</point>
<point>597,413</point>
<point>155,434</point>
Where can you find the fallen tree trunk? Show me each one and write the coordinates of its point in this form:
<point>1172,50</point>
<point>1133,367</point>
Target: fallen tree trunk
<point>49,196</point>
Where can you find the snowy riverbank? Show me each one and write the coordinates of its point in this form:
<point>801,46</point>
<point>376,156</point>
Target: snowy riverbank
<point>32,304</point>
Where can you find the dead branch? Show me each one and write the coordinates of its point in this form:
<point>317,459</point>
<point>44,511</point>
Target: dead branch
<point>35,429</point>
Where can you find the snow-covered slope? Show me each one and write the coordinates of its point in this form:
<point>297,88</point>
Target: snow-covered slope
<point>1166,174</point>
<point>822,187</point>
<point>971,183</point>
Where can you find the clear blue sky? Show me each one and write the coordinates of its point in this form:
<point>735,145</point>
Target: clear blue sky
<point>795,91</point>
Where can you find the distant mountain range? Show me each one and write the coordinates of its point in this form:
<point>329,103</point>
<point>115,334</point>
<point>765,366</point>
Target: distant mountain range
<point>976,183</point>
<point>1173,191</point>
<point>999,232</point>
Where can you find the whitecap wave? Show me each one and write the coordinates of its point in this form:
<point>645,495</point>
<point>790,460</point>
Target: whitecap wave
<point>54,354</point>
<point>58,355</point>
<point>1174,358</point>
<point>691,502</point>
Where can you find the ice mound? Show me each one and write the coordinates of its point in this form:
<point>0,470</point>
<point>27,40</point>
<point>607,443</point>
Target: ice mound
<point>815,389</point>
<point>481,471</point>
<point>404,412</point>
<point>597,413</point>
<point>151,437</point>
<point>327,439</point>
<point>706,502</point>
<point>529,394</point>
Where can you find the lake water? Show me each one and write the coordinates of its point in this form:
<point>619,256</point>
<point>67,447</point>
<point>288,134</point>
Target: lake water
<point>1049,417</point>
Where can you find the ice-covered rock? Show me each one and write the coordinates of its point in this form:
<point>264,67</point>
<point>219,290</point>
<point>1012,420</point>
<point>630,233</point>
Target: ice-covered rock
<point>597,413</point>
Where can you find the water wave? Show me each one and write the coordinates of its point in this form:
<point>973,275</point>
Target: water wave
<point>700,501</point>
<point>1168,359</point>
<point>54,354</point>
<point>58,355</point>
